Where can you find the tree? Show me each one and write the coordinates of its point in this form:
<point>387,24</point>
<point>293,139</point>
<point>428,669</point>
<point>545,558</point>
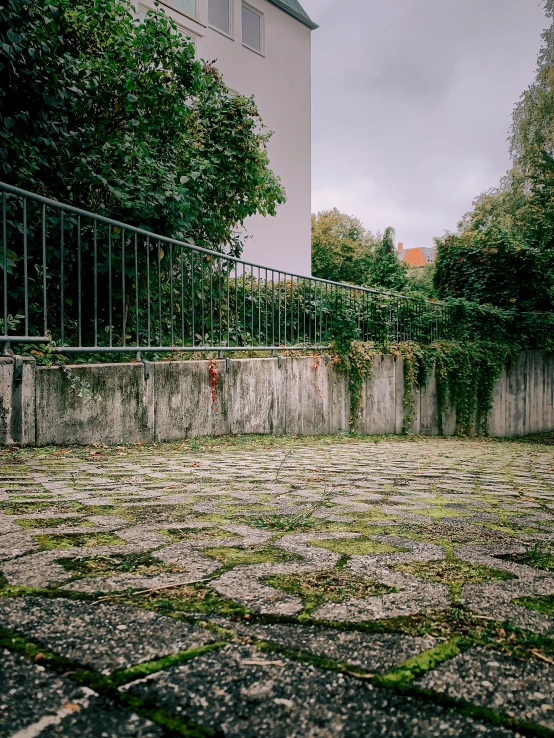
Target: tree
<point>491,266</point>
<point>504,251</point>
<point>341,247</point>
<point>386,271</point>
<point>116,115</point>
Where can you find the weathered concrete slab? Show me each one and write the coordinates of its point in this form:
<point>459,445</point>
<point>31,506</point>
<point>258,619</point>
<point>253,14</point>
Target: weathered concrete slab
<point>522,689</point>
<point>34,702</point>
<point>105,637</point>
<point>183,403</point>
<point>247,693</point>
<point>306,395</point>
<point>256,402</point>
<point>94,403</point>
<point>373,652</point>
<point>17,403</point>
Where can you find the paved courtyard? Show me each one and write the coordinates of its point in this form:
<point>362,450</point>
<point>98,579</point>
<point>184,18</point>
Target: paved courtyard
<point>278,588</point>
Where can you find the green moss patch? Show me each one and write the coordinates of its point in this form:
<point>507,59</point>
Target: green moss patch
<point>442,534</point>
<point>79,540</point>
<point>454,573</point>
<point>539,556</point>
<point>333,585</point>
<point>357,546</point>
<point>118,564</point>
<point>420,664</point>
<point>187,598</point>
<point>195,534</point>
<point>249,555</point>
<point>539,604</point>
<point>33,523</point>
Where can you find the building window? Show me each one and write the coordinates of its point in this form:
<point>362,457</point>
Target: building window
<point>185,6</point>
<point>219,15</point>
<point>251,28</point>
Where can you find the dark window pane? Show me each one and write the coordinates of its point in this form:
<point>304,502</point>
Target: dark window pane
<point>251,28</point>
<point>219,15</point>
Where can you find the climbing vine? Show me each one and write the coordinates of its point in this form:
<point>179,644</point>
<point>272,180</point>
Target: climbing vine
<point>351,355</point>
<point>466,366</point>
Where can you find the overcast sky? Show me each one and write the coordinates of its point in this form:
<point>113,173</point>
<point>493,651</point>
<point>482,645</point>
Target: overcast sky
<point>411,105</point>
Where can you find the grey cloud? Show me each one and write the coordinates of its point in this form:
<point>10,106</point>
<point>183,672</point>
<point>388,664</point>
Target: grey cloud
<point>412,102</point>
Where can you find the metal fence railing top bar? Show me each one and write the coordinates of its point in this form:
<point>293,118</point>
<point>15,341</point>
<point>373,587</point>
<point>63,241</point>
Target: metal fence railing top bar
<point>86,283</point>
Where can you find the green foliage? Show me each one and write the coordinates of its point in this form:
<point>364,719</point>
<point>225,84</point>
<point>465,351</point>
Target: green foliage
<point>343,251</point>
<point>115,115</point>
<point>491,266</point>
<point>504,252</point>
<point>352,355</point>
<point>341,247</point>
<point>386,271</point>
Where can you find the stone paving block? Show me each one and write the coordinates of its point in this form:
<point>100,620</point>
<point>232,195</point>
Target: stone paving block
<point>522,689</point>
<point>34,702</point>
<point>373,652</point>
<point>247,693</point>
<point>105,637</point>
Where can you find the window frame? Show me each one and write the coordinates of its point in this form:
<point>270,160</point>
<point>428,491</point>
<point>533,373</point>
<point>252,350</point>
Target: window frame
<point>229,34</point>
<point>185,13</point>
<point>260,14</point>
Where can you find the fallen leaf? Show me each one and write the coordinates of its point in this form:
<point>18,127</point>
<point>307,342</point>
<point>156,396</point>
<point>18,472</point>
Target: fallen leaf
<point>72,707</point>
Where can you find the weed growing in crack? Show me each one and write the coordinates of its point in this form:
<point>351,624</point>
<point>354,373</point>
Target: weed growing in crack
<point>303,519</point>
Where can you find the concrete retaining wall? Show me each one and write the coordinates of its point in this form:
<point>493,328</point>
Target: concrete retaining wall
<point>115,403</point>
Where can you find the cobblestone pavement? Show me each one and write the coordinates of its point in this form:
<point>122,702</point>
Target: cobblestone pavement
<point>279,588</point>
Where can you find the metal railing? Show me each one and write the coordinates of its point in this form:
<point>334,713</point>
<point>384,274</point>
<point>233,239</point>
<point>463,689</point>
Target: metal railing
<point>85,283</point>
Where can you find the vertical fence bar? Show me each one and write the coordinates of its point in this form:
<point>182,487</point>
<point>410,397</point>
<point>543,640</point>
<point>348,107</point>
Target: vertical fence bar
<point>137,317</point>
<point>244,300</point>
<point>182,299</point>
<point>228,270</point>
<point>171,301</point>
<point>279,308</point>
<point>95,278</point>
<point>220,302</point>
<point>160,321</point>
<point>123,296</point>
<point>110,306</point>
<point>192,298</point>
<point>79,285</point>
<point>44,267</point>
<point>203,317</point>
<point>148,296</point>
<point>62,278</point>
<point>5,259</point>
<point>208,259</point>
<point>25,266</point>
<point>259,306</point>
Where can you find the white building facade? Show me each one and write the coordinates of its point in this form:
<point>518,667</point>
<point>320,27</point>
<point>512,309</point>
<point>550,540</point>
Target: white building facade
<point>263,48</point>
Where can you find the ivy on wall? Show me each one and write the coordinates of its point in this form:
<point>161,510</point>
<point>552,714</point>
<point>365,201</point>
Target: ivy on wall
<point>466,366</point>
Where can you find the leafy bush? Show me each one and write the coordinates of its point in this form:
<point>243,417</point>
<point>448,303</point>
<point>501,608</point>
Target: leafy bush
<point>115,115</point>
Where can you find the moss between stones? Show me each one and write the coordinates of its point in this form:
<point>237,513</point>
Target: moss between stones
<point>357,547</point>
<point>79,540</point>
<point>118,564</point>
<point>446,535</point>
<point>454,573</point>
<point>194,534</point>
<point>539,604</point>
<point>540,556</point>
<point>249,555</point>
<point>333,585</point>
<point>33,523</point>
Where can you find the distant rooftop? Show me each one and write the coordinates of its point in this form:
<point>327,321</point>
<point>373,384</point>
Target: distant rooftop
<point>293,7</point>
